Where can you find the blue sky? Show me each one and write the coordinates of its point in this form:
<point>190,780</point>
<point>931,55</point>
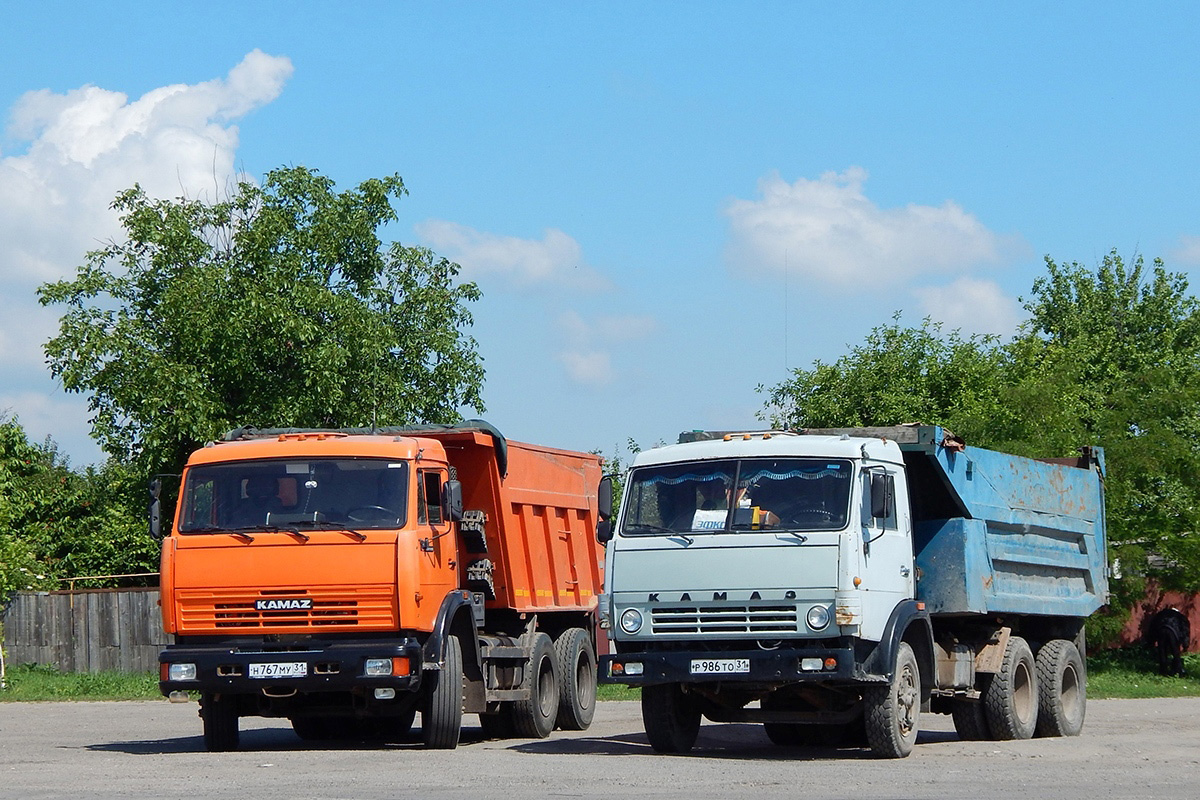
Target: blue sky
<point>665,205</point>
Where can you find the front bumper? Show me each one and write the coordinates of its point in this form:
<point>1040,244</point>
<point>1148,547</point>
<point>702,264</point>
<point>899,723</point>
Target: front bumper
<point>331,667</point>
<point>782,665</point>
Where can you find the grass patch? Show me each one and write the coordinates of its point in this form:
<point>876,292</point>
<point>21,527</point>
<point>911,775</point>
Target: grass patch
<point>42,682</point>
<point>1132,672</point>
<point>615,691</point>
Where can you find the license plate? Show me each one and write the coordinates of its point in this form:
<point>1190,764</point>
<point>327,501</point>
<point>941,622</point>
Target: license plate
<point>720,666</point>
<point>289,669</point>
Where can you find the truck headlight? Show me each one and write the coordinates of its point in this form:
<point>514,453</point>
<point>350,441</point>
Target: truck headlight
<point>631,620</point>
<point>181,672</point>
<point>818,617</point>
<point>376,667</point>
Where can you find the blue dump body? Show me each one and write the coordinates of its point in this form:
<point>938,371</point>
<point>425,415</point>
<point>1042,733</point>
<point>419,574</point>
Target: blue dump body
<point>1002,534</point>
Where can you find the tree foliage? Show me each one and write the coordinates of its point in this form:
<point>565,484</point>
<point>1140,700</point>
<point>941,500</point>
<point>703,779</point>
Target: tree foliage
<point>279,306</point>
<point>1109,356</point>
<point>56,523</point>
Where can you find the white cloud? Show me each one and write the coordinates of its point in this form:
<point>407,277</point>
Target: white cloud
<point>557,259</point>
<point>80,148</point>
<point>1188,251</point>
<point>90,143</point>
<point>972,306</point>
<point>828,231</point>
<point>586,355</point>
<point>593,368</point>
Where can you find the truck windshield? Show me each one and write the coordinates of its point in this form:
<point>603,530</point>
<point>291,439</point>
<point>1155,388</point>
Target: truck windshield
<point>738,495</point>
<point>350,493</point>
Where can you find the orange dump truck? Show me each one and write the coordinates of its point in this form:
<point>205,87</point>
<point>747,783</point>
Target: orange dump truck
<point>347,579</point>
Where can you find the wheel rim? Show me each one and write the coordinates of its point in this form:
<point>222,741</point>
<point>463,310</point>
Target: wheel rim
<point>1072,694</point>
<point>585,682</point>
<point>547,697</point>
<point>906,700</point>
<point>1024,694</point>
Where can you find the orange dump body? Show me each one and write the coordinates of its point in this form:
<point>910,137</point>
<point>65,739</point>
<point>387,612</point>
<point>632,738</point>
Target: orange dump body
<point>541,521</point>
<point>540,534</point>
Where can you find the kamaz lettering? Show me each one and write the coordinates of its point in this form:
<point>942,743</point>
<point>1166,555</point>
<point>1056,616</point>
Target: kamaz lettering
<point>686,597</point>
<point>290,604</point>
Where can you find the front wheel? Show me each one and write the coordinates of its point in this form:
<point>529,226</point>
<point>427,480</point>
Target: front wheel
<point>671,718</point>
<point>892,713</point>
<point>441,717</point>
<point>220,718</point>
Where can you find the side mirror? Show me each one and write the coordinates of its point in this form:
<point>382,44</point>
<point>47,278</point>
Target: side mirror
<point>881,495</point>
<point>155,508</point>
<point>452,501</point>
<point>604,498</point>
<point>604,508</point>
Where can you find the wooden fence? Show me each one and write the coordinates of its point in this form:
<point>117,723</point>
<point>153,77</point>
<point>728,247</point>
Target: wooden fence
<point>86,630</point>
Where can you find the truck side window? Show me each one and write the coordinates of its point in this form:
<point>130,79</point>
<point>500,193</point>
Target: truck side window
<point>429,498</point>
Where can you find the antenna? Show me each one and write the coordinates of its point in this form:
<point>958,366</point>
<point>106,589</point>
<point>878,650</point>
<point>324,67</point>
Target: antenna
<point>785,311</point>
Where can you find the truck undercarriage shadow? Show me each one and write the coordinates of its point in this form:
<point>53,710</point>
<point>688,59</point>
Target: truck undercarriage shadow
<point>734,741</point>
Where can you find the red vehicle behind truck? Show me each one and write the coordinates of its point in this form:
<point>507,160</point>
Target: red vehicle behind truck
<point>347,579</point>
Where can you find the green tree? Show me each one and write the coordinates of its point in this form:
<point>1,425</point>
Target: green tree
<point>1130,340</point>
<point>56,523</point>
<point>277,307</point>
<point>898,375</point>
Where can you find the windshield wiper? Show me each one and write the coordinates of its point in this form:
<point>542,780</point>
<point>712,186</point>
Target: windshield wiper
<point>642,527</point>
<point>241,532</point>
<point>212,529</point>
<point>329,525</point>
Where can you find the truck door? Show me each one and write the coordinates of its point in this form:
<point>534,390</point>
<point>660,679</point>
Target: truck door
<point>440,553</point>
<point>887,551</point>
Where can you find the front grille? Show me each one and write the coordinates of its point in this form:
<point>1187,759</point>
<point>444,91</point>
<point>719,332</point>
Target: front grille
<point>337,607</point>
<point>725,619</point>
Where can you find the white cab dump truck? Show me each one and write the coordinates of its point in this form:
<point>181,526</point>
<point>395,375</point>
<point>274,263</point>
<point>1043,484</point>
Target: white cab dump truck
<point>835,585</point>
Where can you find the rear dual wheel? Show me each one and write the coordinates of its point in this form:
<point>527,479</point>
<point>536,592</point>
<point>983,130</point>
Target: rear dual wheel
<point>1062,689</point>
<point>534,717</point>
<point>1010,701</point>
<point>576,660</point>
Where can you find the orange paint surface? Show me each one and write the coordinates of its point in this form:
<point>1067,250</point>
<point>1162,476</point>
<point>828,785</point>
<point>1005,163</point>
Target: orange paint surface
<point>540,532</point>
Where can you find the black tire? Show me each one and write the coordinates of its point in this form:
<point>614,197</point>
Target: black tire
<point>320,729</point>
<point>534,717</point>
<point>671,718</point>
<point>577,679</point>
<point>970,721</point>
<point>386,729</point>
<point>790,734</point>
<point>499,725</point>
<point>441,717</point>
<point>1062,689</point>
<point>220,718</point>
<point>892,713</point>
<point>1010,703</point>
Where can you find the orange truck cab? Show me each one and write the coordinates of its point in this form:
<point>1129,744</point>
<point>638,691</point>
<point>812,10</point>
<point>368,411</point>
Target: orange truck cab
<point>347,579</point>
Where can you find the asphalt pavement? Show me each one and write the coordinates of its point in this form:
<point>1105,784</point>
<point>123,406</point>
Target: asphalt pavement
<point>1129,749</point>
